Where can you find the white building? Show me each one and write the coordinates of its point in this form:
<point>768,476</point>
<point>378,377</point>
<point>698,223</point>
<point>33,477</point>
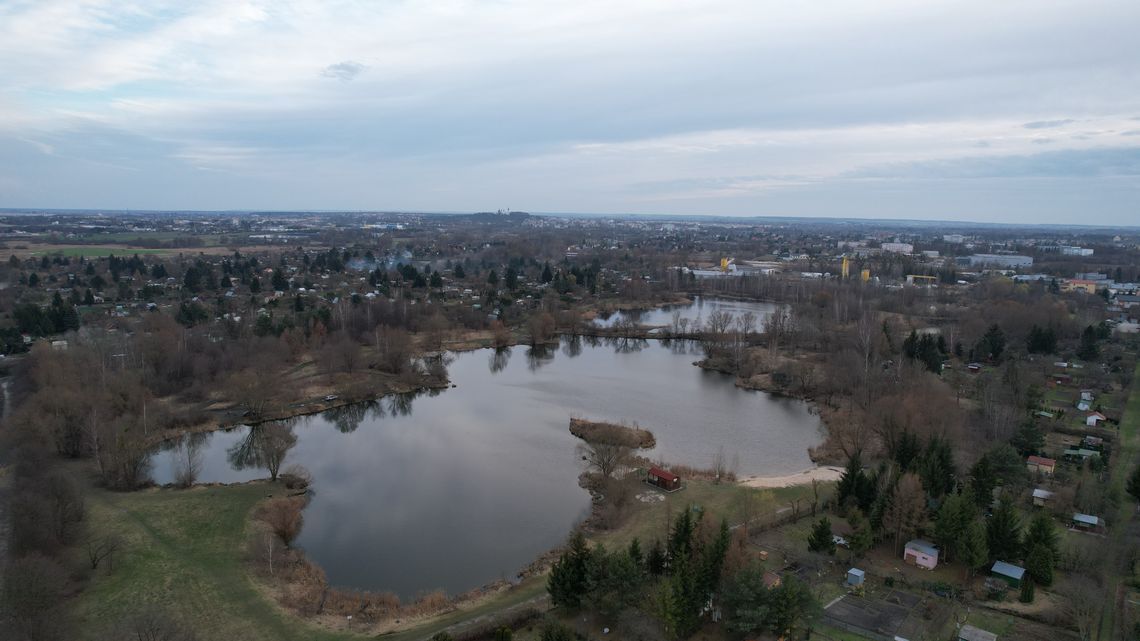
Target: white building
<point>898,248</point>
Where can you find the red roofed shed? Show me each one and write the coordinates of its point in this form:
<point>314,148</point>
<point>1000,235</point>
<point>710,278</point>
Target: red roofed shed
<point>665,480</point>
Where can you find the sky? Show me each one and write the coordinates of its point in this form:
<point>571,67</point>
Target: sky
<point>1011,111</point>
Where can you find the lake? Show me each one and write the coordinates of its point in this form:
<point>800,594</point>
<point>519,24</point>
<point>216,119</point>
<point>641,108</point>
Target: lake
<point>696,312</point>
<point>456,488</point>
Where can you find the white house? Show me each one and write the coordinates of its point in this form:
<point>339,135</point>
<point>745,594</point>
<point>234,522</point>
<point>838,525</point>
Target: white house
<point>921,553</point>
<point>1093,419</point>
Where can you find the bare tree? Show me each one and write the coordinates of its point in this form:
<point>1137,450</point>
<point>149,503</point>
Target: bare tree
<point>604,457</point>
<point>283,516</point>
<point>100,548</point>
<point>264,445</point>
<point>188,459</point>
<point>1083,601</point>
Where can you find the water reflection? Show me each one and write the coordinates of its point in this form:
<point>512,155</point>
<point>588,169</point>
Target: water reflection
<point>347,418</point>
<point>401,404</point>
<point>264,447</point>
<point>499,359</point>
<point>572,345</point>
<point>538,356</point>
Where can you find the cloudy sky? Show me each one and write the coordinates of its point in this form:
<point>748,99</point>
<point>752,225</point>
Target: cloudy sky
<point>1021,111</point>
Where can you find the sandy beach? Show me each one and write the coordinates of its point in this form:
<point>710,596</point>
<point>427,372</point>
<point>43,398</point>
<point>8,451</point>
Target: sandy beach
<point>822,473</point>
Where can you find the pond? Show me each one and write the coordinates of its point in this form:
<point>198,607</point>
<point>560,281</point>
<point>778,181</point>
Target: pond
<point>696,313</point>
<point>456,488</point>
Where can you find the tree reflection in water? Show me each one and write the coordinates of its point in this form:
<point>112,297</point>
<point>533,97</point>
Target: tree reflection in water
<point>265,446</point>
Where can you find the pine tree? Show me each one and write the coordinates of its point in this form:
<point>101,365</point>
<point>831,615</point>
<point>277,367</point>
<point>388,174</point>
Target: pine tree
<point>1088,349</point>
<point>848,485</point>
<point>1039,564</point>
<point>570,576</point>
<point>655,561</point>
<point>937,468</point>
<point>1003,532</point>
<point>820,539</point>
<point>681,538</point>
<point>635,554</point>
<point>1041,531</point>
<point>974,551</point>
<point>951,524</point>
<point>1134,483</point>
<point>1027,591</point>
<point>861,537</point>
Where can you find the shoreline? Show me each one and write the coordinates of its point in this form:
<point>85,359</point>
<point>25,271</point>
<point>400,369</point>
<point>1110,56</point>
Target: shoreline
<point>823,473</point>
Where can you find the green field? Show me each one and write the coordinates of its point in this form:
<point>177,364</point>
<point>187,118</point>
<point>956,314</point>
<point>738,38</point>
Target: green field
<point>183,551</point>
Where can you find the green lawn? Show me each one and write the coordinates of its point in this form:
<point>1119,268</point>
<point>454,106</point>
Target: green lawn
<point>183,551</point>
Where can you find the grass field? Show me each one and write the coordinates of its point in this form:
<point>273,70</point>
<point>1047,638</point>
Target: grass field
<point>183,551</point>
<point>1124,459</point>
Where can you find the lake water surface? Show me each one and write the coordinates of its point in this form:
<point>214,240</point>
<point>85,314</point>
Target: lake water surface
<point>458,488</point>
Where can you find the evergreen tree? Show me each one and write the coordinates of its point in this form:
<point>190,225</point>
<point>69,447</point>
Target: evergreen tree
<point>685,601</point>
<point>951,523</point>
<point>792,609</point>
<point>88,297</point>
<point>712,560</point>
<point>547,275</point>
<point>493,278</point>
<point>861,537</point>
<point>1088,349</point>
<point>1039,564</point>
<point>1027,591</point>
<point>1133,486</point>
<point>906,450</point>
<point>1029,439</point>
<point>512,278</point>
<point>681,537</point>
<point>436,280</point>
<point>937,468</point>
<point>848,485</point>
<point>1042,532</point>
<point>459,272</point>
<point>974,551</point>
<point>570,575</point>
<point>993,342</point>
<point>655,561</point>
<point>745,601</point>
<point>983,480</point>
<point>820,539</point>
<point>635,553</point>
<point>1003,532</point>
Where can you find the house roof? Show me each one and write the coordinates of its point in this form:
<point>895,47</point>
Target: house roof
<point>668,477</point>
<point>856,572</point>
<point>926,547</point>
<point>1098,415</point>
<point>1087,519</point>
<point>1041,460</point>
<point>970,633</point>
<point>1008,569</point>
<point>1040,493</point>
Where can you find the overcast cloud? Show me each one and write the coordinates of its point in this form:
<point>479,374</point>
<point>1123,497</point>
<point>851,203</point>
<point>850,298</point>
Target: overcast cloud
<point>974,110</point>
